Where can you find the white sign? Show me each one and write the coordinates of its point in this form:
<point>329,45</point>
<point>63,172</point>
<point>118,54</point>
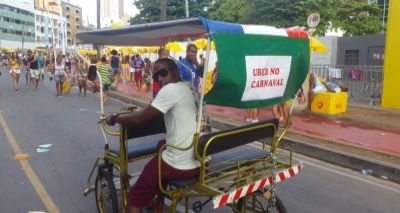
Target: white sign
<point>266,77</point>
<point>313,20</point>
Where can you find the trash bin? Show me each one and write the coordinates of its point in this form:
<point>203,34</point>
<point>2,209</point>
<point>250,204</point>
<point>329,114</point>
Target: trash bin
<point>329,103</point>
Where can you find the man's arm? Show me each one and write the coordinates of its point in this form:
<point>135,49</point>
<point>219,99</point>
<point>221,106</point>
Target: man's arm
<point>134,119</point>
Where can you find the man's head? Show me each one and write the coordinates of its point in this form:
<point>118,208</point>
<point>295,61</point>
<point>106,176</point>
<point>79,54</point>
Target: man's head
<point>166,71</point>
<point>191,52</point>
<point>103,59</point>
<point>162,53</point>
<point>29,52</point>
<point>114,52</point>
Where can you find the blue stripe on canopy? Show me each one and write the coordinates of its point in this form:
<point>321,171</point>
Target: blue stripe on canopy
<point>219,26</point>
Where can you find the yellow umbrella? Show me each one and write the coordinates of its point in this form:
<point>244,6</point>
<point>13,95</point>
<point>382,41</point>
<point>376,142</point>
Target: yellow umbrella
<point>174,46</point>
<point>317,46</point>
<point>201,43</point>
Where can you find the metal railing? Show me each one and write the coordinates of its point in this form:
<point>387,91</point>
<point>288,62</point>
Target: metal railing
<point>364,82</point>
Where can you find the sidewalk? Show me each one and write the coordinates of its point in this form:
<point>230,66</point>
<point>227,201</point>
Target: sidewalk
<point>375,130</point>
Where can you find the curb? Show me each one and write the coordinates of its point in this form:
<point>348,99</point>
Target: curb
<point>379,169</point>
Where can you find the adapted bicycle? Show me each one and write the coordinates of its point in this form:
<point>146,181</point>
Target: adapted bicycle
<point>257,66</point>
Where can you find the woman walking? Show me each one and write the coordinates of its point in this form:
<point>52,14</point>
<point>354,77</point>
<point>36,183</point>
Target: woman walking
<point>82,76</point>
<point>59,75</point>
<point>15,70</point>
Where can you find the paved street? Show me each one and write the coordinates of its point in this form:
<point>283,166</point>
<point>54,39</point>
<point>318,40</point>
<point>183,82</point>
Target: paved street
<point>31,118</point>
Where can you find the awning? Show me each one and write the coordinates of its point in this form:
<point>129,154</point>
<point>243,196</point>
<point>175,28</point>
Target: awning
<point>159,33</point>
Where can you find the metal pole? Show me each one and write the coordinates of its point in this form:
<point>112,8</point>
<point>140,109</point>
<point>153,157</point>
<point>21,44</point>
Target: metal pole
<point>61,28</point>
<point>383,15</point>
<point>187,8</point>
<point>97,47</point>
<point>163,10</point>
<point>23,35</point>
<point>203,86</point>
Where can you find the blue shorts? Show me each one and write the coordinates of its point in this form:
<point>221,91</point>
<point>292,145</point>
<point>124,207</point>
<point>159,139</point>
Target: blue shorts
<point>116,70</point>
<point>106,87</point>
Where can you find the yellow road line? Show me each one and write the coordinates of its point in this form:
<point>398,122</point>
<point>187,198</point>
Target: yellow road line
<point>37,185</point>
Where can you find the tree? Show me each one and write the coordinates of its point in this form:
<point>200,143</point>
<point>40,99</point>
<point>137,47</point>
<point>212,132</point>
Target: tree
<point>282,13</point>
<point>228,10</point>
<point>150,10</point>
<point>357,18</point>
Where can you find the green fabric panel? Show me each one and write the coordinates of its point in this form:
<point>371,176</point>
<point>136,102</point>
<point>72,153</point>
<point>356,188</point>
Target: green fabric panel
<point>231,80</point>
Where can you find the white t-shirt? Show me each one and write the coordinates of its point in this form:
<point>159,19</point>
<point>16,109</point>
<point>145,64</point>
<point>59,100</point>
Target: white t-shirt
<point>59,70</point>
<point>177,102</point>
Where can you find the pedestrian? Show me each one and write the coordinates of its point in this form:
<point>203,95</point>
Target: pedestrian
<point>281,112</point>
<point>132,69</point>
<point>189,66</point>
<point>15,70</point>
<point>81,75</point>
<point>105,72</point>
<point>116,66</point>
<point>92,74</point>
<point>33,69</point>
<point>68,62</point>
<point>176,102</point>
<point>147,74</point>
<point>162,53</point>
<point>60,73</point>
<point>41,63</point>
<point>4,63</point>
<point>138,65</point>
<point>252,115</point>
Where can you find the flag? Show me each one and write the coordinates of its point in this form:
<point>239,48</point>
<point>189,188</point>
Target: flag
<point>258,67</point>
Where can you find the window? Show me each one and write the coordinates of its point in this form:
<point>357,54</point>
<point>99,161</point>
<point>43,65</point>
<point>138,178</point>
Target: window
<point>77,26</point>
<point>376,56</point>
<point>351,57</point>
<point>77,11</point>
<point>67,16</point>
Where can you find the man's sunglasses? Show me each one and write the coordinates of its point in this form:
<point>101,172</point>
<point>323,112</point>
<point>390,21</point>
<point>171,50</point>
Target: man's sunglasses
<point>160,72</point>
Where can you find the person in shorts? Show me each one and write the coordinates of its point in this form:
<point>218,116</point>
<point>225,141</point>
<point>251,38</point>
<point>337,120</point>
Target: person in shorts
<point>115,63</point>
<point>15,70</point>
<point>147,74</point>
<point>33,69</point>
<point>176,101</point>
<point>59,75</point>
<point>105,72</point>
<point>41,63</point>
<point>138,65</point>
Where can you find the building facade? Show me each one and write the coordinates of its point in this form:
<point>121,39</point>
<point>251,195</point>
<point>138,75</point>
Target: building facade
<point>48,29</point>
<point>112,11</point>
<point>361,50</point>
<point>17,24</point>
<point>73,17</point>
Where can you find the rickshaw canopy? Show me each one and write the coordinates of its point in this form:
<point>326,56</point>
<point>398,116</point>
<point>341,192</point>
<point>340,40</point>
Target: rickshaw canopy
<point>257,65</point>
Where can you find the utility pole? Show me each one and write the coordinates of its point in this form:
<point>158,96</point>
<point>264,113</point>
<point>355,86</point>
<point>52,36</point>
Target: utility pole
<point>187,8</point>
<point>163,10</point>
<point>97,47</point>
<point>383,16</point>
<point>98,14</point>
<point>62,28</point>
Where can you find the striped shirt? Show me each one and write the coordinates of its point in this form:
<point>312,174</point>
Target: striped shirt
<point>104,70</point>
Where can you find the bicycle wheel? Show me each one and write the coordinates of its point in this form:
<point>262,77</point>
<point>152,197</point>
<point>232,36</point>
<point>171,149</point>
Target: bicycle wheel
<point>259,203</point>
<point>105,192</point>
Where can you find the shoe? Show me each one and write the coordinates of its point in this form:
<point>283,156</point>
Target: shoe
<point>254,120</point>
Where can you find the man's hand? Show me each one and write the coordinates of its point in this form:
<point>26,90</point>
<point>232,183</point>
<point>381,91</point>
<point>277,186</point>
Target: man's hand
<point>111,119</point>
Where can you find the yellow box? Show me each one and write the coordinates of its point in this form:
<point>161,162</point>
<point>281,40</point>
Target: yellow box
<point>329,103</point>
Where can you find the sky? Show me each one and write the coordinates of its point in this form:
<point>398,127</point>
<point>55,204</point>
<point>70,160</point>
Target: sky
<point>89,9</point>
